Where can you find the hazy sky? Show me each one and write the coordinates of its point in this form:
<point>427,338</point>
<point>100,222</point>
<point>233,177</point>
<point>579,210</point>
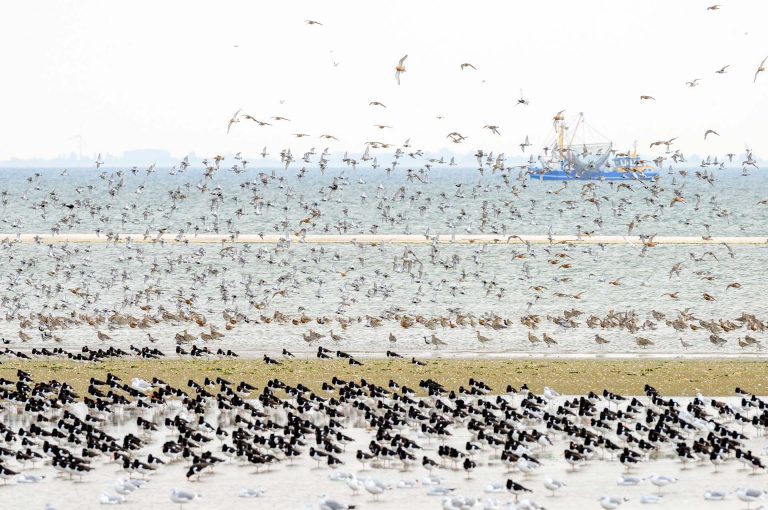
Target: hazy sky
<point>169,74</point>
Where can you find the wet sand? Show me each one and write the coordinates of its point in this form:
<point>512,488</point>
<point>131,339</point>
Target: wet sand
<point>298,485</point>
<point>628,376</point>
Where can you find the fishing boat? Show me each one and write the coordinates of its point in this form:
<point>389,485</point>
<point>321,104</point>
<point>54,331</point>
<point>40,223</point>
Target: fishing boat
<point>568,156</point>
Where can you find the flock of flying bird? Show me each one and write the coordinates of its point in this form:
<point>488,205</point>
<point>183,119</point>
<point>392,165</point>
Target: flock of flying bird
<point>457,137</point>
<point>158,285</point>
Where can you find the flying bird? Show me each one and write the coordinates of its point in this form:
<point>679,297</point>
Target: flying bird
<point>525,144</point>
<point>715,7</point>
<point>312,22</point>
<point>663,142</point>
<point>760,69</point>
<point>376,103</point>
<point>257,121</point>
<point>648,97</point>
<point>400,68</point>
<point>235,118</point>
<point>493,129</point>
<point>722,69</point>
<point>467,64</point>
<point>712,131</point>
<point>693,83</point>
<point>522,100</point>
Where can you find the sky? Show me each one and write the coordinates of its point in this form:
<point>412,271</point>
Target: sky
<point>111,77</point>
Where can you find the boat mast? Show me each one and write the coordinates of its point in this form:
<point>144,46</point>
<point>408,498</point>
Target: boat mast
<point>559,133</point>
<point>576,127</point>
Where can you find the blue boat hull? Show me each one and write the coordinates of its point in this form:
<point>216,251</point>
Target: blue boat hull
<point>560,175</point>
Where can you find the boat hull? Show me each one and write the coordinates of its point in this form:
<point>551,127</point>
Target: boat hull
<point>560,175</point>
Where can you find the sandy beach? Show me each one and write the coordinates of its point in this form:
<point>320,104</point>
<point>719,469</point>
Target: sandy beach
<point>714,377</point>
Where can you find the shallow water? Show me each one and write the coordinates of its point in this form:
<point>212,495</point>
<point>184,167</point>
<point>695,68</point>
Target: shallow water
<point>285,486</point>
<point>132,203</point>
<point>358,281</point>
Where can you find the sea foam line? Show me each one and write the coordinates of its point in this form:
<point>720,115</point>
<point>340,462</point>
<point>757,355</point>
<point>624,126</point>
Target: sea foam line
<point>30,238</point>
